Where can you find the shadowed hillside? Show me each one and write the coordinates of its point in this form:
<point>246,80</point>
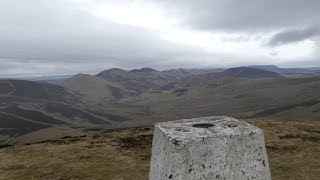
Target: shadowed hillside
<point>27,106</point>
<point>245,72</point>
<point>95,88</point>
<point>289,71</point>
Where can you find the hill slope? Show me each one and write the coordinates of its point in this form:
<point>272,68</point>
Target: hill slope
<point>94,88</point>
<point>239,97</point>
<point>27,106</point>
<point>35,90</point>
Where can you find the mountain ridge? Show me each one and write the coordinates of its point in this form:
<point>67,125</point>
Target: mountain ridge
<point>248,72</point>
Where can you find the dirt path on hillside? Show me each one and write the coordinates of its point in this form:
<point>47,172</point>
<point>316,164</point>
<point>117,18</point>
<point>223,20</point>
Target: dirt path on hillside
<point>13,89</point>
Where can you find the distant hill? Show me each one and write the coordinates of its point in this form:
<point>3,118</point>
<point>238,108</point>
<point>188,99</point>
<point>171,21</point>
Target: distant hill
<point>288,71</point>
<point>246,72</point>
<point>145,79</point>
<point>95,88</point>
<point>138,80</point>
<point>220,78</point>
<point>272,68</point>
<point>114,75</point>
<point>35,90</point>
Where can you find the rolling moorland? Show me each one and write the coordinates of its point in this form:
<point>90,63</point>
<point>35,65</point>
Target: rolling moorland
<point>71,118</point>
<point>117,98</point>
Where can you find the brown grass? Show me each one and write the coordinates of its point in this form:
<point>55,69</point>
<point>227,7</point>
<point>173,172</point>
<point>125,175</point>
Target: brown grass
<point>293,150</point>
<point>117,155</point>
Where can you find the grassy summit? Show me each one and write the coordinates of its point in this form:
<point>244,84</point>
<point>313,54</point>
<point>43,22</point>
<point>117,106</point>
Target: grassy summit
<point>293,150</point>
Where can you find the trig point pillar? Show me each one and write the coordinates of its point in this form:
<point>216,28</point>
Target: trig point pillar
<point>208,148</point>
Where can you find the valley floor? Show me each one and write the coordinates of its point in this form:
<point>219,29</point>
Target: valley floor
<point>293,150</point>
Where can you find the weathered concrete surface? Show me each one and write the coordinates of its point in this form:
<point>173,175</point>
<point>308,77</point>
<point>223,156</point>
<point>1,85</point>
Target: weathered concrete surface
<point>228,149</point>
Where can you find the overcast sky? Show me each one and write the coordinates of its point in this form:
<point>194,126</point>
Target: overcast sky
<point>39,37</point>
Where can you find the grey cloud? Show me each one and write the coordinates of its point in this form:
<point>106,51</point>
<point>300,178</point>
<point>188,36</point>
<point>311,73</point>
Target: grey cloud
<point>291,36</point>
<point>38,37</point>
<point>45,36</point>
<point>247,15</point>
<point>317,50</point>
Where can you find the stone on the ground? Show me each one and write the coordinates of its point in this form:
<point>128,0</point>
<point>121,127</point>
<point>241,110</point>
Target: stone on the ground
<point>208,148</point>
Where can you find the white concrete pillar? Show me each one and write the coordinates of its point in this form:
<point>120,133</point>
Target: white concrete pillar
<point>208,148</point>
